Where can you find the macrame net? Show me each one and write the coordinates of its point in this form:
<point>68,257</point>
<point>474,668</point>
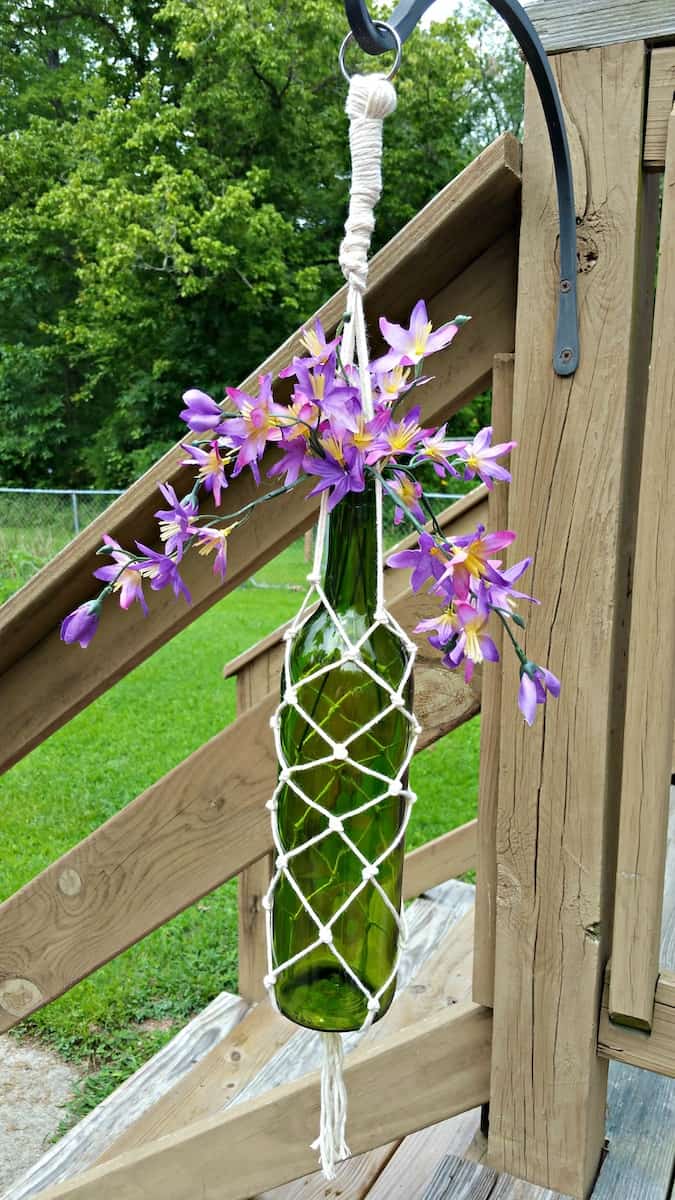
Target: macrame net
<point>370,99</point>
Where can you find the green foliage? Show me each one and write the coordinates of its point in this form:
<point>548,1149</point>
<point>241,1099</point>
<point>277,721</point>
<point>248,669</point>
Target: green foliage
<point>172,193</point>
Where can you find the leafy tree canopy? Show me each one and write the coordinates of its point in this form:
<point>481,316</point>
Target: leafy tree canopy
<point>172,193</point>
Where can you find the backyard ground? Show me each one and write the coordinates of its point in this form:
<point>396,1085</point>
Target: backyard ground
<point>123,742</point>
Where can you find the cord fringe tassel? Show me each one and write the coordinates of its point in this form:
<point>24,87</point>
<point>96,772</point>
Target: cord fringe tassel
<point>331,1140</point>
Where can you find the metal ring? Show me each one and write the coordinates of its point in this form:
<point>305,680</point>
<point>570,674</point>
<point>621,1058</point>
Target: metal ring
<point>397,46</point>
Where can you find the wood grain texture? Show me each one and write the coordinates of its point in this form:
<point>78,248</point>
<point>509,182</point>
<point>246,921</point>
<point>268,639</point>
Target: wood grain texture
<point>252,943</point>
<point>650,698</point>
<point>491,696</point>
<point>253,881</point>
<point>461,1180</point>
<point>198,826</point>
<point>436,963</point>
<point>174,1062</point>
<point>653,1051</point>
<point>471,269</point>
<point>579,24</point>
<point>659,106</point>
<point>452,854</point>
<point>262,1143</point>
<point>412,1167</point>
<point>568,501</point>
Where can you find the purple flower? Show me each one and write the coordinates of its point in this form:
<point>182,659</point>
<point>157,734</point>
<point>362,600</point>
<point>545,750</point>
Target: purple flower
<point>201,413</point>
<point>472,645</point>
<point>535,682</point>
<point>319,350</point>
<point>436,448</point>
<point>502,595</point>
<point>162,570</point>
<point>123,575</point>
<point>479,458</point>
<point>81,625</point>
<point>211,468</point>
<point>260,422</point>
<point>445,625</point>
<point>215,539</point>
<point>472,559</point>
<point>175,523</point>
<point>398,437</point>
<point>291,460</point>
<point>409,492</point>
<point>410,345</point>
<point>341,470</point>
<point>427,561</point>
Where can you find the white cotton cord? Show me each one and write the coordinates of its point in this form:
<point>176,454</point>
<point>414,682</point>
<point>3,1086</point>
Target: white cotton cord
<point>370,99</point>
<point>331,1140</point>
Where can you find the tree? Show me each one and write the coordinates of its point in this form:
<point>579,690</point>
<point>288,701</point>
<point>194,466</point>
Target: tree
<point>172,197</point>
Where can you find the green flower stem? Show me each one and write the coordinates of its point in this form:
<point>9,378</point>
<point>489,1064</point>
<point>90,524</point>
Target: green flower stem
<point>514,642</point>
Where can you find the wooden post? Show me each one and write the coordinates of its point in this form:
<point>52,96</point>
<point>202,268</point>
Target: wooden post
<point>252,686</point>
<point>486,880</point>
<point>650,705</point>
<point>571,503</point>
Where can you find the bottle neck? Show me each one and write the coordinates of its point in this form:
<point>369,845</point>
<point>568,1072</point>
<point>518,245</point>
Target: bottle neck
<point>351,566</point>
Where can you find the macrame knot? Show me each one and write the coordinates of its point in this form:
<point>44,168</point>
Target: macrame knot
<point>370,99</point>
<point>371,96</point>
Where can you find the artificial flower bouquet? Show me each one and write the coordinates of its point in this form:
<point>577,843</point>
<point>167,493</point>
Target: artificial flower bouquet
<point>322,434</point>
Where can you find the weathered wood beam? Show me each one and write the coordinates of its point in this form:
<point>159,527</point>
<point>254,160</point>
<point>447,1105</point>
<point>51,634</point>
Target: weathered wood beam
<point>581,24</point>
<point>265,1142</point>
<point>659,106</point>
<point>198,826</point>
<point>650,690</point>
<point>488,782</point>
<point>573,503</point>
<point>446,857</point>
<point>653,1051</point>
<point>459,253</point>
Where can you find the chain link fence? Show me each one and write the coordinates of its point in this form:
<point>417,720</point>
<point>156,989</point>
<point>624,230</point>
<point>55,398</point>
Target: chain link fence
<point>35,523</point>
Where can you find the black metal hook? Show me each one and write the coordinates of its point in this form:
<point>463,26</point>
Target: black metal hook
<point>373,39</point>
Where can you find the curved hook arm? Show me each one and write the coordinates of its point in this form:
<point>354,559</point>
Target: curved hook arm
<point>375,40</point>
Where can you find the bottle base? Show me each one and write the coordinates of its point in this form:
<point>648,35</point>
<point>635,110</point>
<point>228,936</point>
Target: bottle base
<point>326,999</point>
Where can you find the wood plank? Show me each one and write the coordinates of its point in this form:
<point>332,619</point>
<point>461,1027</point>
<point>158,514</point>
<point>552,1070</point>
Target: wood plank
<point>253,1057</point>
<point>452,854</point>
<point>570,502</point>
<point>461,1180</point>
<point>653,1051</point>
<point>412,1166</point>
<point>488,782</point>
<point>260,1144</point>
<point>659,106</point>
<point>37,664</point>
<point>252,886</point>
<point>185,835</point>
<point>198,1040</point>
<point>581,24</point>
<point>650,698</point>
<point>253,684</point>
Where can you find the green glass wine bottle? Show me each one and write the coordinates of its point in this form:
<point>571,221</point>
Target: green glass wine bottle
<point>316,991</point>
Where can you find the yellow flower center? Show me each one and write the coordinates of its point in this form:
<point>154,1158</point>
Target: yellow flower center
<point>334,448</point>
<point>422,337</point>
<point>362,438</point>
<point>473,649</point>
<point>310,340</point>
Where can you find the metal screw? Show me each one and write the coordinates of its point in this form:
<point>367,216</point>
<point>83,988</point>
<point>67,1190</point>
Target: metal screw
<point>566,355</point>
<point>565,285</point>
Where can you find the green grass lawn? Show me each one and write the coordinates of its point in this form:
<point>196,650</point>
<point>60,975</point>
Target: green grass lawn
<point>102,759</point>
